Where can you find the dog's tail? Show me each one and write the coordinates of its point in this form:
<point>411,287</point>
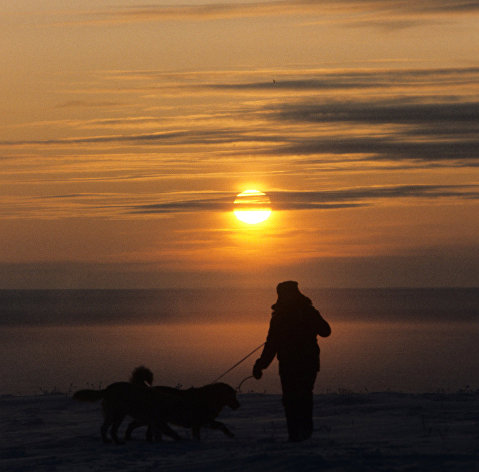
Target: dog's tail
<point>88,395</point>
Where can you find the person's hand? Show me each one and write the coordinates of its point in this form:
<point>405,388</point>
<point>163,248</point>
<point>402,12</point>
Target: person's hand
<point>257,372</point>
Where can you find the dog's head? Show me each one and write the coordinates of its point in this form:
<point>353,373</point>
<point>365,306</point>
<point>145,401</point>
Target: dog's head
<point>228,395</point>
<point>141,376</point>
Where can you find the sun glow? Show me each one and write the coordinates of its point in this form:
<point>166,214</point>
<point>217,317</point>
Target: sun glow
<point>252,206</point>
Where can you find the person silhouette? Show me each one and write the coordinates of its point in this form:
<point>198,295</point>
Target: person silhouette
<point>293,328</point>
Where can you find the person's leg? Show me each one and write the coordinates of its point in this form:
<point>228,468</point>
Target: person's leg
<point>290,404</point>
<point>298,403</point>
<point>306,403</point>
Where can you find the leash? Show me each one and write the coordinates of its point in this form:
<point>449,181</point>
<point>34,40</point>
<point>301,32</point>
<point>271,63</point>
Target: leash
<point>238,363</point>
<point>238,388</point>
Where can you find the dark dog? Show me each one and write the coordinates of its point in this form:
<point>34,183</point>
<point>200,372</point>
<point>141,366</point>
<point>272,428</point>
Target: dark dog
<point>193,408</point>
<point>142,376</point>
<point>134,399</point>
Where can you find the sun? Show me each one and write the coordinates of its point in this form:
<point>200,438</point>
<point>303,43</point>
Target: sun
<point>252,206</point>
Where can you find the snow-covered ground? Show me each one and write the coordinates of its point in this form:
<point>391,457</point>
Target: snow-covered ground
<point>353,432</point>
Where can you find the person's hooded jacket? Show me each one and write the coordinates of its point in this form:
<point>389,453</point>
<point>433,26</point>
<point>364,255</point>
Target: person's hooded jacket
<point>294,326</point>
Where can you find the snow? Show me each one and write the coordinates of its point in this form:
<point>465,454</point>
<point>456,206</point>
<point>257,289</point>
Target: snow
<point>353,432</point>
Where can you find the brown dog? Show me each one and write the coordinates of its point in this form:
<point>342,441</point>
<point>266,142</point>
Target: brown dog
<point>193,408</point>
<point>135,399</point>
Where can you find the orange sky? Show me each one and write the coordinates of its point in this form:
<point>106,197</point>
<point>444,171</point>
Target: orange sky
<point>126,132</point>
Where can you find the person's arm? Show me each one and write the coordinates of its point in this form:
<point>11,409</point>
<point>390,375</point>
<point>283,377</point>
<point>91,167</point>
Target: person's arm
<point>322,326</point>
<point>269,352</point>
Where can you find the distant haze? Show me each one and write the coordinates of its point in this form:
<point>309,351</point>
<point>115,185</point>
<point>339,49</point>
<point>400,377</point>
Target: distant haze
<point>199,306</point>
<point>410,340</point>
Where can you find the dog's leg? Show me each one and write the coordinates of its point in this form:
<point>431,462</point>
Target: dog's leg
<point>133,425</point>
<point>107,422</point>
<point>149,434</point>
<point>104,430</point>
<point>221,426</point>
<point>195,430</point>
<point>114,429</point>
<point>162,427</point>
<point>153,432</point>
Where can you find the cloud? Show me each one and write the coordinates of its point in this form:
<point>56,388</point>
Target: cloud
<point>172,137</point>
<point>396,130</point>
<point>90,104</point>
<point>288,200</point>
<point>207,136</point>
<point>396,111</point>
<point>439,126</point>
<point>389,148</point>
<point>435,130</point>
<point>300,8</point>
<point>442,6</point>
<point>121,205</point>
<point>326,80</point>
<point>224,203</point>
<point>317,200</point>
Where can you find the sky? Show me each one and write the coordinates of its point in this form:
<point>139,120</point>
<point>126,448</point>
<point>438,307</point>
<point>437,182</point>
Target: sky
<point>128,129</point>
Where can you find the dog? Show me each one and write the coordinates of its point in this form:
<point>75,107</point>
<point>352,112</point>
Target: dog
<point>136,399</point>
<point>142,376</point>
<point>193,408</point>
